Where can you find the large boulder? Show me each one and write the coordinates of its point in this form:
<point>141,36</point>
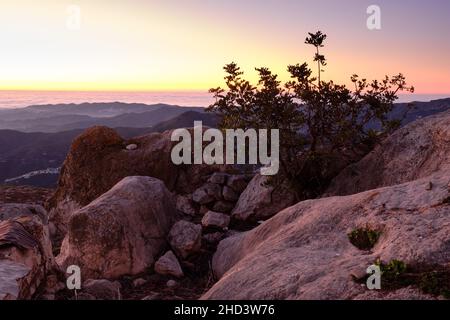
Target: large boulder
<point>304,252</point>
<point>99,158</point>
<point>121,232</point>
<point>412,152</point>
<point>26,256</point>
<point>260,200</point>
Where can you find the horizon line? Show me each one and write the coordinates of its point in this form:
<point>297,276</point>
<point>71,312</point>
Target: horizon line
<point>206,91</point>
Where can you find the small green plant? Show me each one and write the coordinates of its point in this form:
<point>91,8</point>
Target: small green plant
<point>394,268</point>
<point>364,238</point>
<point>430,279</point>
<point>394,274</point>
<point>435,282</point>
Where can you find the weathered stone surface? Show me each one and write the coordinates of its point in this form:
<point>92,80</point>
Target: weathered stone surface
<point>139,282</point>
<point>229,194</point>
<point>202,197</point>
<point>168,265</point>
<point>186,205</point>
<point>412,152</point>
<point>102,289</point>
<point>25,250</point>
<point>304,252</point>
<point>121,232</point>
<point>207,193</point>
<point>98,159</point>
<point>216,220</point>
<point>185,238</point>
<point>260,201</point>
<point>218,178</point>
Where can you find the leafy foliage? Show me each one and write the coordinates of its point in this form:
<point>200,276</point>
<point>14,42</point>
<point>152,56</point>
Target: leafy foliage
<point>430,279</point>
<point>322,124</point>
<point>364,238</point>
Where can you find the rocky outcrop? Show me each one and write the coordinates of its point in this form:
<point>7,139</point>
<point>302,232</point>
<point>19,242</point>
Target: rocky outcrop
<point>304,252</point>
<point>99,158</point>
<point>26,256</point>
<point>260,200</point>
<point>122,232</point>
<point>412,152</point>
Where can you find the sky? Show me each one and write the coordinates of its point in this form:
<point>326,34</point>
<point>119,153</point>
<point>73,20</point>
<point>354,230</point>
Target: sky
<point>168,45</point>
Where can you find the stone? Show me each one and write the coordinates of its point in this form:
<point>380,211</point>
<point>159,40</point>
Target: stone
<point>98,160</point>
<point>260,200</point>
<point>25,250</point>
<point>139,282</point>
<point>207,193</point>
<point>131,147</point>
<point>121,232</point>
<point>202,197</point>
<point>185,238</point>
<point>185,205</point>
<point>168,265</point>
<point>102,289</point>
<point>152,296</point>
<point>303,252</point>
<point>229,194</point>
<point>218,178</point>
<point>171,284</point>
<point>215,220</point>
<point>412,152</point>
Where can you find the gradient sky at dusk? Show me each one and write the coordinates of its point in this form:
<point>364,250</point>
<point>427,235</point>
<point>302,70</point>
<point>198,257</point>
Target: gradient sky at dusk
<point>145,45</point>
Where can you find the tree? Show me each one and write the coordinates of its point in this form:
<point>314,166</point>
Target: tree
<point>323,126</point>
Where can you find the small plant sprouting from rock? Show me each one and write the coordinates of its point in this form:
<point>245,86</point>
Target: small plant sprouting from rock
<point>393,270</point>
<point>364,238</point>
<point>430,279</point>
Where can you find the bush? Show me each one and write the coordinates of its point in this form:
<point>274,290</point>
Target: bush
<point>322,124</point>
<point>364,238</point>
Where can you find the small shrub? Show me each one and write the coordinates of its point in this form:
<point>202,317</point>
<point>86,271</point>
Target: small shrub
<point>430,279</point>
<point>364,238</point>
<point>435,282</point>
<point>394,275</point>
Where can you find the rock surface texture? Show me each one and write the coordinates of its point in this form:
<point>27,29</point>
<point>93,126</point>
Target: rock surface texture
<point>98,159</point>
<point>304,251</point>
<point>412,152</point>
<point>25,250</point>
<point>122,232</point>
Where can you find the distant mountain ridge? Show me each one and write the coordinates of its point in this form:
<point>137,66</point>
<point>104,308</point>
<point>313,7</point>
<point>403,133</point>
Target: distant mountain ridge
<point>24,155</point>
<point>63,117</point>
<point>27,158</point>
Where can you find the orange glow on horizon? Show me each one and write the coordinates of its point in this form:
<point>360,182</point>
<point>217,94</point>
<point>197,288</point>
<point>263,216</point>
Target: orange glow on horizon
<point>138,46</point>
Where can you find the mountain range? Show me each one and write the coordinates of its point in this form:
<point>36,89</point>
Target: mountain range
<point>34,141</point>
